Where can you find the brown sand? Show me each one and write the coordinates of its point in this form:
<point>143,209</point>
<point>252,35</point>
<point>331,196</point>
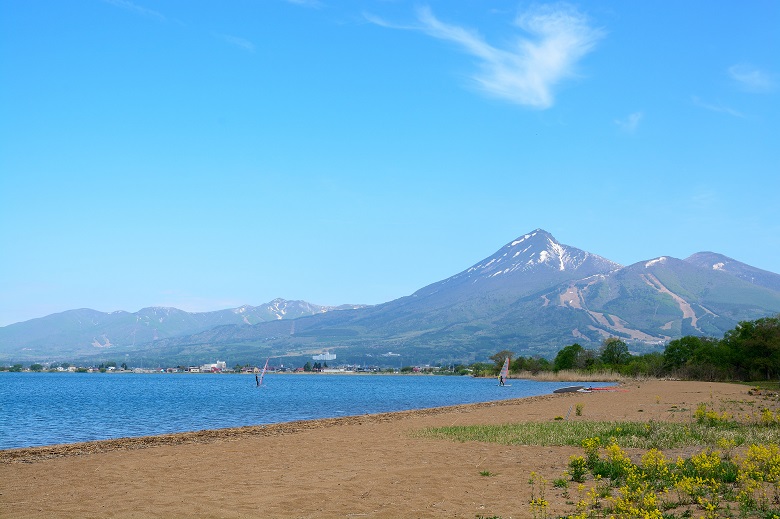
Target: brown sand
<point>368,466</point>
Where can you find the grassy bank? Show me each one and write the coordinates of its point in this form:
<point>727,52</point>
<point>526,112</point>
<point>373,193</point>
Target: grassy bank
<point>652,435</point>
<point>732,471</point>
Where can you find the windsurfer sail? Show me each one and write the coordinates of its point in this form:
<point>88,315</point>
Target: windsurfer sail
<point>262,374</point>
<point>504,372</point>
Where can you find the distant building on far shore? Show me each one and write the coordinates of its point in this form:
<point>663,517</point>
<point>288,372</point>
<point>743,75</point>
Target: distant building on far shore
<point>325,356</point>
<point>217,367</point>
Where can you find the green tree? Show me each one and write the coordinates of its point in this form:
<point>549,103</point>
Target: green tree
<point>307,366</point>
<point>499,358</point>
<point>649,364</point>
<point>587,359</point>
<point>482,369</point>
<point>36,367</point>
<point>679,351</point>
<point>614,352</point>
<point>460,369</point>
<point>536,364</point>
<point>567,358</point>
<point>708,361</point>
<point>518,364</point>
<point>16,368</point>
<point>752,348</point>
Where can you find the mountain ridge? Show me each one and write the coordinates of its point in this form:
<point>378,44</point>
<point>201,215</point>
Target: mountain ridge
<point>83,328</point>
<point>534,295</point>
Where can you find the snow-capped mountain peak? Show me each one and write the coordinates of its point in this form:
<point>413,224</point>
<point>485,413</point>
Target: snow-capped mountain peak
<point>537,249</point>
<point>533,260</point>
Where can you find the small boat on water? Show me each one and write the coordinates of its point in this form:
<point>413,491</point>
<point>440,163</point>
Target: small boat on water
<point>568,389</point>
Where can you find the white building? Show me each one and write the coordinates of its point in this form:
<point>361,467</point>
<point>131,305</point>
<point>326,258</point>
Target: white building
<point>220,365</point>
<point>325,356</point>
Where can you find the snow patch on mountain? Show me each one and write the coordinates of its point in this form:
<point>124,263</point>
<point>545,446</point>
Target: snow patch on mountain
<point>560,252</point>
<point>521,240</point>
<point>656,261</point>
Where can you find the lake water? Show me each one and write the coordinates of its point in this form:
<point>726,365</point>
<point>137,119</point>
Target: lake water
<point>53,408</point>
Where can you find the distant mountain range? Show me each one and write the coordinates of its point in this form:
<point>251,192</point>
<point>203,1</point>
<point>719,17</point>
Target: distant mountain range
<point>76,333</point>
<point>533,297</point>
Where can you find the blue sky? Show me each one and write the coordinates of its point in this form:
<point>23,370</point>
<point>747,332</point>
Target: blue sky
<point>206,155</point>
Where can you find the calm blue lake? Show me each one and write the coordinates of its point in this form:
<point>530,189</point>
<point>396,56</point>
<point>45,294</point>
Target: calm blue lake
<point>53,408</point>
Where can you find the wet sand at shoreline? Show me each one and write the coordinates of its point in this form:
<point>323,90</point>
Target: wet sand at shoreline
<point>362,466</point>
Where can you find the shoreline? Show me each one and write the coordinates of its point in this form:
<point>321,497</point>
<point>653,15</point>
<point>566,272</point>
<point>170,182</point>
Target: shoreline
<point>376,465</point>
<point>40,436</point>
<point>208,436</point>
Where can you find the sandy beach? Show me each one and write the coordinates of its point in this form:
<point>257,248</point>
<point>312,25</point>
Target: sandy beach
<point>366,466</point>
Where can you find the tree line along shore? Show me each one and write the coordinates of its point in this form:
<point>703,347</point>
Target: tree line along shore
<point>750,351</point>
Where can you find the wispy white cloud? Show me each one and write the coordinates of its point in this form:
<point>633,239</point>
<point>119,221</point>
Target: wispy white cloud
<point>716,107</point>
<point>238,42</point>
<point>525,72</point>
<point>752,79</point>
<point>631,123</point>
<point>137,9</point>
<point>376,20</point>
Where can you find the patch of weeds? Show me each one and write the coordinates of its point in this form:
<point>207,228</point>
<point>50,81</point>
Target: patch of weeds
<point>733,472</point>
<point>578,468</point>
<point>708,484</point>
<point>539,503</point>
<point>563,486</point>
<point>649,435</point>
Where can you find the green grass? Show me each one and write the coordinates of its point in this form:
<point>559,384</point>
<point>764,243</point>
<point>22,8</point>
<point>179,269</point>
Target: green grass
<point>713,483</point>
<point>651,435</point>
<point>767,385</point>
